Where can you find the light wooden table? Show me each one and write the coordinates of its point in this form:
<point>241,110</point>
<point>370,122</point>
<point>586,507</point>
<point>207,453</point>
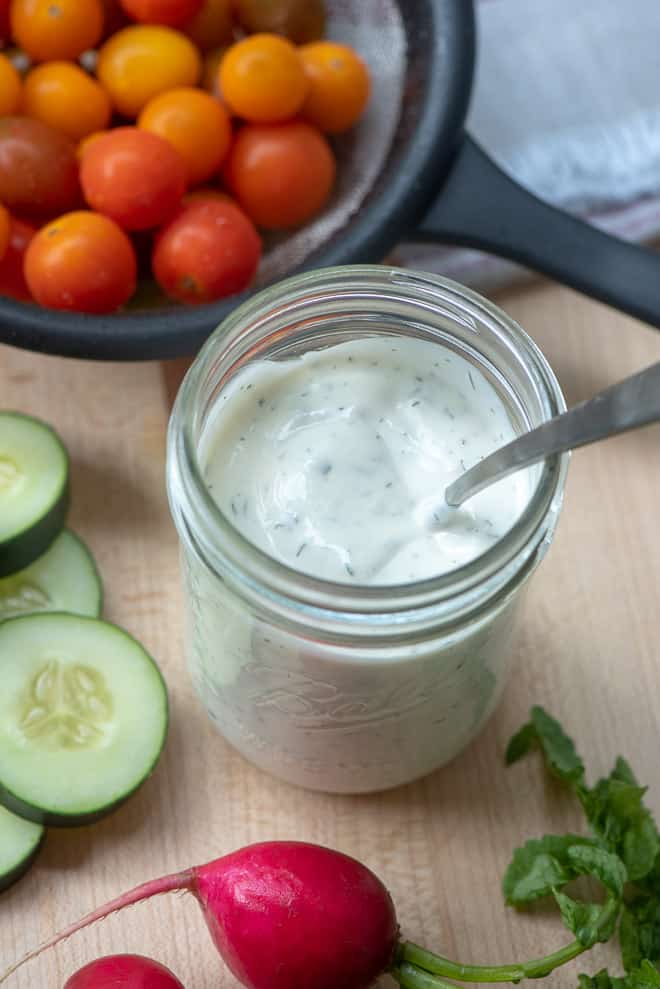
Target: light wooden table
<point>589,650</point>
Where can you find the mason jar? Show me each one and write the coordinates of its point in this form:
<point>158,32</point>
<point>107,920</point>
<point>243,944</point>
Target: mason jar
<point>333,686</point>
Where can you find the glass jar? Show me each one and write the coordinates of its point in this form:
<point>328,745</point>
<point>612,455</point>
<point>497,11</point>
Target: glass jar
<point>332,686</point>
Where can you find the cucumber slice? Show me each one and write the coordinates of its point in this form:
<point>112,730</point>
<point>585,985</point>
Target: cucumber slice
<point>83,717</point>
<point>34,489</point>
<point>19,843</point>
<point>65,578</point>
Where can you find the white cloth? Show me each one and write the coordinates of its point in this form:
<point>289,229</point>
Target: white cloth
<point>567,100</point>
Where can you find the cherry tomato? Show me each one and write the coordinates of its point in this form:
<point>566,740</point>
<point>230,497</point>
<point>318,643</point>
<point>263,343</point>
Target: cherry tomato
<point>5,224</point>
<point>62,95</point>
<point>262,79</point>
<point>12,278</point>
<point>299,20</point>
<point>281,174</point>
<point>170,12</point>
<point>194,123</point>
<point>210,249</point>
<point>5,31</point>
<point>141,61</point>
<point>87,142</point>
<point>135,178</point>
<point>338,86</point>
<point>212,26</point>
<point>82,262</point>
<point>64,29</point>
<point>38,168</point>
<point>10,88</point>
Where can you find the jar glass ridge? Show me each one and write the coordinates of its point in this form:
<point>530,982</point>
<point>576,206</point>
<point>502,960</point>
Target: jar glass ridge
<point>335,686</point>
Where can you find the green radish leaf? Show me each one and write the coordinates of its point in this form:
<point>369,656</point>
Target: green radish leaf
<point>629,941</point>
<point>582,919</point>
<point>639,933</point>
<point>521,744</point>
<point>602,980</point>
<point>540,866</point>
<point>590,860</point>
<point>646,976</point>
<point>616,813</point>
<point>544,732</point>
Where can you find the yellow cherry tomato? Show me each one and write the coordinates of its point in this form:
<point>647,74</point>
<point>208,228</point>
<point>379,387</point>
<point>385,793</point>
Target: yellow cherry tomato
<point>142,61</point>
<point>62,95</point>
<point>10,88</point>
<point>262,79</point>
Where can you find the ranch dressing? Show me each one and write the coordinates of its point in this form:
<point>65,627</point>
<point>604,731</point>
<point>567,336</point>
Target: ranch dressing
<point>335,462</point>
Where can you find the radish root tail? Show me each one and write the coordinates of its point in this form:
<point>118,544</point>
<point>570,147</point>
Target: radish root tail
<point>167,884</point>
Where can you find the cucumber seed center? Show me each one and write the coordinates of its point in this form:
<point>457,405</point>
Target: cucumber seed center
<point>9,474</point>
<point>20,597</point>
<point>68,706</point>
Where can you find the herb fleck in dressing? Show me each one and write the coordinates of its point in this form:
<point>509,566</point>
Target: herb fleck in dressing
<point>336,462</point>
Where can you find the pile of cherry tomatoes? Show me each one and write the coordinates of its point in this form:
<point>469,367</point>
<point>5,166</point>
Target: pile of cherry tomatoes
<point>162,134</point>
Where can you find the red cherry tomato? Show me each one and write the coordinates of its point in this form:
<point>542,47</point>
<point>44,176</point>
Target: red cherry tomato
<point>209,250</point>
<point>172,13</point>
<point>5,32</point>
<point>82,262</point>
<point>134,177</point>
<point>38,168</point>
<point>12,278</point>
<point>281,174</point>
<point>5,226</point>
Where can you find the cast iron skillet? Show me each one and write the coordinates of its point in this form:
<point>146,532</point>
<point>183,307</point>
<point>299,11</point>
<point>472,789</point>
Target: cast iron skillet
<point>436,184</point>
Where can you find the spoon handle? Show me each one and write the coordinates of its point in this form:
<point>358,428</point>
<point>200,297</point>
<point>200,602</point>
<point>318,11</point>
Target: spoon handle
<point>631,403</point>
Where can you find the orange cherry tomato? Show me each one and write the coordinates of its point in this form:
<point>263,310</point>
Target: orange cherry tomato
<point>262,79</point>
<point>135,178</point>
<point>10,88</point>
<point>299,20</point>
<point>12,277</point>
<point>81,262</point>
<point>5,223</point>
<point>170,12</point>
<point>62,95</point>
<point>210,249</point>
<point>281,174</point>
<point>141,61</point>
<point>212,26</point>
<point>38,168</point>
<point>64,29</point>
<point>87,142</point>
<point>339,86</point>
<point>194,123</point>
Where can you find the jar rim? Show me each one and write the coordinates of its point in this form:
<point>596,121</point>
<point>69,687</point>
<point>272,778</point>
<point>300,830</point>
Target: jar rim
<point>246,563</point>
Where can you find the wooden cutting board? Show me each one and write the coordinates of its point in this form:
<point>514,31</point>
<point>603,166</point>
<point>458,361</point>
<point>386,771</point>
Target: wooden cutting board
<point>589,650</point>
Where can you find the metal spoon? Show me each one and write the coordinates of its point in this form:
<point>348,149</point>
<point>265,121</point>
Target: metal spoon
<point>632,403</point>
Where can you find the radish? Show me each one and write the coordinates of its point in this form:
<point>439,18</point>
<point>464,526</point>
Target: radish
<point>290,915</point>
<point>123,972</point>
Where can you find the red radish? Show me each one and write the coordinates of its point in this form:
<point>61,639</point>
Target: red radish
<point>288,915</point>
<point>283,915</point>
<point>123,972</point>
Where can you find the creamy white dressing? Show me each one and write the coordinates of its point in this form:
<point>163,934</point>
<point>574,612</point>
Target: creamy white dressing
<point>335,462</point>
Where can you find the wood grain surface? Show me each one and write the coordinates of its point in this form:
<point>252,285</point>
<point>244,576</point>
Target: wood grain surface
<point>589,650</point>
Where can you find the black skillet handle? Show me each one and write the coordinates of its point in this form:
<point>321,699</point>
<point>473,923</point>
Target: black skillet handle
<point>481,207</point>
